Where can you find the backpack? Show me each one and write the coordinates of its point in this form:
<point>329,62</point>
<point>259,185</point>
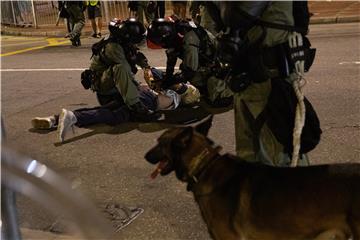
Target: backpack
<point>279,115</point>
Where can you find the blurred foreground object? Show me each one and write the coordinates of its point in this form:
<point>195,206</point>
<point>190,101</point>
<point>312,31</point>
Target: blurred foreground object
<point>35,180</point>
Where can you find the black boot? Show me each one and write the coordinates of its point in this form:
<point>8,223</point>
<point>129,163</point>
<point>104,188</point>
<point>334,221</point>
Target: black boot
<point>75,41</point>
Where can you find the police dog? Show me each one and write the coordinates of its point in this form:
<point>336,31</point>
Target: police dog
<point>242,200</point>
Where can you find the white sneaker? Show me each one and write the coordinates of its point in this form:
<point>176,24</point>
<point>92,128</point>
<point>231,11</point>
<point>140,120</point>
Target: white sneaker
<point>44,122</point>
<point>67,120</point>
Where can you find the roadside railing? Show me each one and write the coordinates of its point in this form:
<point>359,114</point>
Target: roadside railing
<point>33,13</point>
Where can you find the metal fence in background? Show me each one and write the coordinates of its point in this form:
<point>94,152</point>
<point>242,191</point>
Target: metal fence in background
<point>33,13</point>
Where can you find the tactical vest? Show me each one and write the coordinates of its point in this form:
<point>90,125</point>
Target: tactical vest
<point>98,49</point>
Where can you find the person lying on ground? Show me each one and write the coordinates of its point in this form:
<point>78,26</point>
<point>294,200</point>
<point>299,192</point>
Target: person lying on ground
<point>112,113</point>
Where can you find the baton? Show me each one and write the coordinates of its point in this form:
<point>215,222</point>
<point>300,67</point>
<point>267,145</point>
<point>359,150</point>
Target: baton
<point>57,19</point>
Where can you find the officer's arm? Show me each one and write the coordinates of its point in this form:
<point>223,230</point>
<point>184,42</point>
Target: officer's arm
<point>190,62</point>
<point>171,58</point>
<point>142,61</point>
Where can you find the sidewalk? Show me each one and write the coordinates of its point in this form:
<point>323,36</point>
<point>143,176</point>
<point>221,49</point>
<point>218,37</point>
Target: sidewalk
<point>334,11</point>
<point>323,12</point>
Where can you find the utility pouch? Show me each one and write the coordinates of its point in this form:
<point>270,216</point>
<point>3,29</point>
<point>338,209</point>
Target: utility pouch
<point>309,58</point>
<point>239,82</point>
<point>279,114</point>
<point>254,70</point>
<point>87,78</point>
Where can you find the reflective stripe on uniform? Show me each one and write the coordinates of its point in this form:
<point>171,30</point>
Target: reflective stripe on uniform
<point>93,3</point>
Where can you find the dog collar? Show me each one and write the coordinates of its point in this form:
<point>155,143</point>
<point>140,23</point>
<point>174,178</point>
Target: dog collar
<point>205,159</point>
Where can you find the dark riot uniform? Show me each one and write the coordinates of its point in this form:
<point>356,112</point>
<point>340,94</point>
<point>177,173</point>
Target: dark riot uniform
<point>114,65</point>
<point>238,16</point>
<point>196,49</point>
<point>75,9</point>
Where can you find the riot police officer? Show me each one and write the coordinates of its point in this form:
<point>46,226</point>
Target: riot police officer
<point>75,10</point>
<point>192,44</point>
<point>253,49</point>
<point>114,64</point>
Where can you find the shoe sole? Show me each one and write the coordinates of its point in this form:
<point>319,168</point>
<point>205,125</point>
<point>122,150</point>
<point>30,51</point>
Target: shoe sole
<point>41,124</point>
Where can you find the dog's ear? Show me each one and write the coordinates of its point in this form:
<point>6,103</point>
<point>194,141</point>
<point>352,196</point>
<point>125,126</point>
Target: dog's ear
<point>204,127</point>
<point>184,138</point>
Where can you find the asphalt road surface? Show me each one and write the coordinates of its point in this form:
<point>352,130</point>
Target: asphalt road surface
<point>40,76</point>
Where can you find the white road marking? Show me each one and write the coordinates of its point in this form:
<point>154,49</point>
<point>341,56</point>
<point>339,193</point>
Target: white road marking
<point>354,62</point>
<point>55,69</point>
<point>41,69</point>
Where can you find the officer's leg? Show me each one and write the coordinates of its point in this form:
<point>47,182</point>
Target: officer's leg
<point>77,30</point>
<point>72,20</point>
<point>140,12</point>
<point>149,16</point>
<point>125,84</point>
<point>104,99</point>
<point>255,98</point>
<point>79,23</point>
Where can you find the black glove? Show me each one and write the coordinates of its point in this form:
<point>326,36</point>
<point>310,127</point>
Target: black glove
<point>87,78</point>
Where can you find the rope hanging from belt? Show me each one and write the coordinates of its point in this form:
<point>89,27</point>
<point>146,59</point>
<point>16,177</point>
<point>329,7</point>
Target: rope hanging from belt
<point>299,121</point>
<point>296,42</point>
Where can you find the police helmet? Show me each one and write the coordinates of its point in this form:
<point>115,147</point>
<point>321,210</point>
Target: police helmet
<point>162,33</point>
<point>130,30</point>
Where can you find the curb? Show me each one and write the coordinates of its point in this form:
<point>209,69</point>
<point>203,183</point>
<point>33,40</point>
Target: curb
<point>335,19</point>
<point>62,33</point>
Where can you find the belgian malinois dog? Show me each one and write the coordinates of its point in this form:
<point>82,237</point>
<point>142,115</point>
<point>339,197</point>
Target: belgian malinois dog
<point>242,200</point>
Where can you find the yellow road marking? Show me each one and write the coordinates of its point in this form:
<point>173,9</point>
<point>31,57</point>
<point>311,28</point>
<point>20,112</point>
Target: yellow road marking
<point>21,43</point>
<point>51,42</point>
<point>55,41</point>
<point>15,38</point>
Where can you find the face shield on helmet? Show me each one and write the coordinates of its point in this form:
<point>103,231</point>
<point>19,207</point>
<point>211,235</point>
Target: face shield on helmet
<point>162,33</point>
<point>128,31</point>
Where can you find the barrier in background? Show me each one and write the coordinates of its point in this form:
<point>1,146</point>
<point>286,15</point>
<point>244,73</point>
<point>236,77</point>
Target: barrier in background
<point>45,13</point>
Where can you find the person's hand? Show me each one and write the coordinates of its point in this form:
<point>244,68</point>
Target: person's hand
<point>148,76</point>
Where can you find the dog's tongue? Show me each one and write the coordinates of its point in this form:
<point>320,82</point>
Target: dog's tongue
<point>158,169</point>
